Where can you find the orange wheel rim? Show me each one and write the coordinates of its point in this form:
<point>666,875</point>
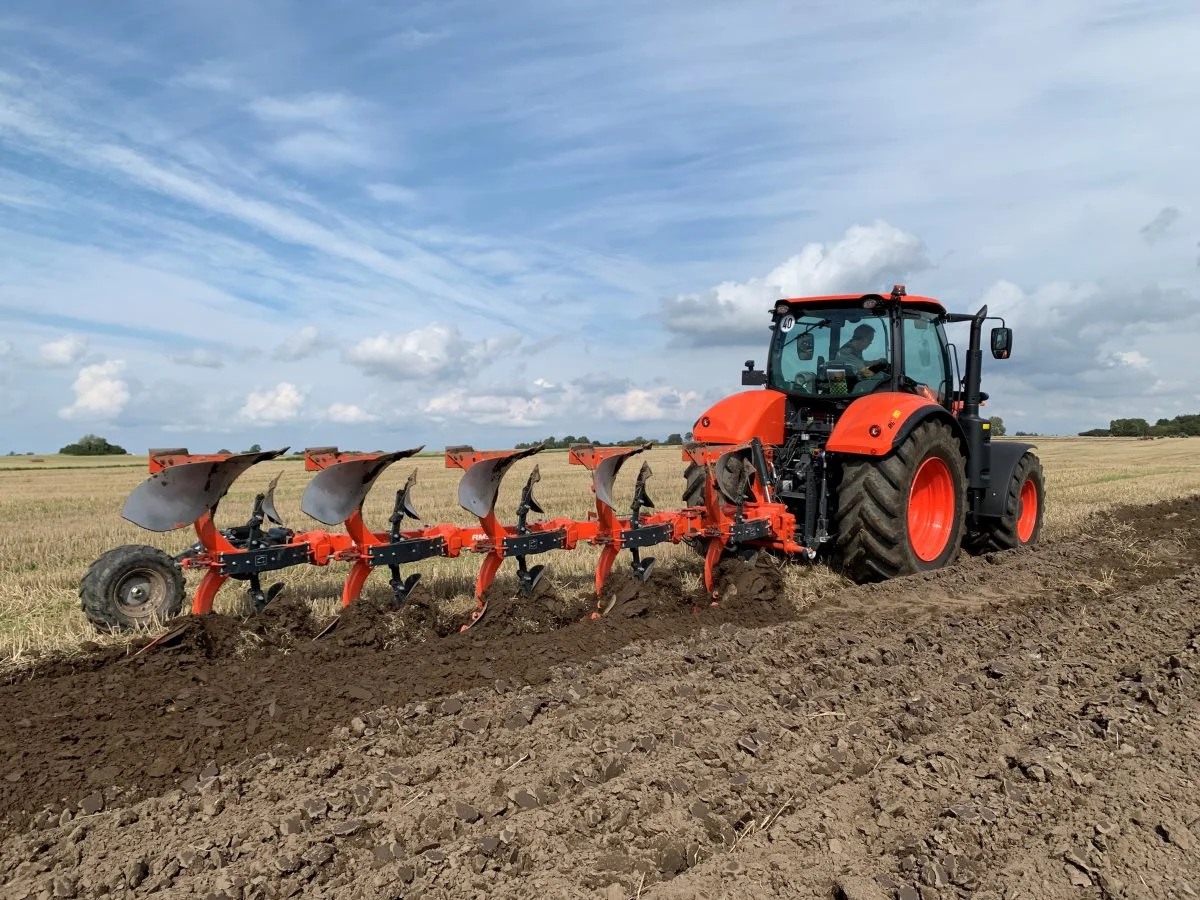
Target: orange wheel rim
<point>1027,517</point>
<point>931,509</point>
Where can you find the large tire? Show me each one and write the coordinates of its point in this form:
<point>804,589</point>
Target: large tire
<point>131,587</point>
<point>1024,509</point>
<point>906,512</point>
<point>694,477</point>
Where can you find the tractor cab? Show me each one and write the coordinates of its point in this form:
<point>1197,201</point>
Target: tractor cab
<point>842,347</point>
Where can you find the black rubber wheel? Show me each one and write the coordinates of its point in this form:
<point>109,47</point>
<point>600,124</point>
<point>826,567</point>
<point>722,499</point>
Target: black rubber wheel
<point>905,512</point>
<point>693,495</point>
<point>1021,524</point>
<point>131,587</point>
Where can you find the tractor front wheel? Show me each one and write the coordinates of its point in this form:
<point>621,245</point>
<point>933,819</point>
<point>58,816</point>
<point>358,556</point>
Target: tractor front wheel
<point>131,587</point>
<point>1021,524</point>
<point>904,513</point>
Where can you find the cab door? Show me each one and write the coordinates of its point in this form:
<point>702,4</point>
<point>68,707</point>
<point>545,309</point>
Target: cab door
<point>927,356</point>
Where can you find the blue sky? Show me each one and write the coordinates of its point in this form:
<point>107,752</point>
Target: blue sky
<point>378,224</point>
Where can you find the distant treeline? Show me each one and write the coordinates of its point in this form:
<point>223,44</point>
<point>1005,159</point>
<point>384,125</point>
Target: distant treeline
<point>1180,426</point>
<point>553,443</point>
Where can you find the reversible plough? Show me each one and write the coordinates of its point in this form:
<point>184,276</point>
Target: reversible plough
<point>186,489</point>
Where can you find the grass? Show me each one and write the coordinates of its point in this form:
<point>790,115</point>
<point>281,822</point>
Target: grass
<point>56,517</point>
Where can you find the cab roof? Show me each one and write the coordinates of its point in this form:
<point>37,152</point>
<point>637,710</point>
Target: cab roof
<point>914,300</point>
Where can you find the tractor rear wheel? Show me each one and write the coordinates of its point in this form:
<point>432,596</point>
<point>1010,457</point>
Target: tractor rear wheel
<point>130,587</point>
<point>1021,524</point>
<point>904,513</point>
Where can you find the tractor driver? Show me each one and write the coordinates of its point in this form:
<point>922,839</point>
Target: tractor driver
<point>851,353</point>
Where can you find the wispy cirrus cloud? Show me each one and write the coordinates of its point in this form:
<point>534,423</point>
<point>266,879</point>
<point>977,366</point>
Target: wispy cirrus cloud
<point>286,189</point>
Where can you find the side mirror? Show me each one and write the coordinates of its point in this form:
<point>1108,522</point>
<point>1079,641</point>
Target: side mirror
<point>805,344</point>
<point>753,376</point>
<point>1001,342</point>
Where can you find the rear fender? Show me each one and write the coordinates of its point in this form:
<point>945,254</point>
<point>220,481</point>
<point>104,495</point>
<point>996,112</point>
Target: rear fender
<point>1006,456</point>
<point>875,424</point>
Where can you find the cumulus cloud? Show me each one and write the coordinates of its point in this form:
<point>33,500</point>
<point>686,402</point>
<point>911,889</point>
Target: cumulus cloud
<point>349,414</point>
<point>200,357</point>
<point>573,405</point>
<point>281,403</point>
<point>428,352</point>
<point>66,351</point>
<point>866,258</point>
<point>652,405</point>
<point>1064,329</point>
<point>508,410</point>
<point>304,343</point>
<point>100,392</point>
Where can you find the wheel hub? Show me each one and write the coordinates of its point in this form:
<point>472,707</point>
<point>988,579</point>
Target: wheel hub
<point>139,588</point>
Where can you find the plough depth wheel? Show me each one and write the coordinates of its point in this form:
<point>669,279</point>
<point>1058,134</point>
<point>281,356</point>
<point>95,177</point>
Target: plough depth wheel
<point>130,587</point>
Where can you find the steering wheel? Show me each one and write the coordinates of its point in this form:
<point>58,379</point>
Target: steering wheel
<point>804,382</point>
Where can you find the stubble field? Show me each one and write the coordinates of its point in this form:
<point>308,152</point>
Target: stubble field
<point>1022,725</point>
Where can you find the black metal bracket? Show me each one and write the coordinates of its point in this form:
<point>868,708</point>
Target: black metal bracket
<point>534,542</point>
<point>750,530</point>
<point>406,551</point>
<point>250,562</point>
<point>646,536</point>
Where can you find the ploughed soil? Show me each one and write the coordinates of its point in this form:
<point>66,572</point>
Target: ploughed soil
<point>1021,725</point>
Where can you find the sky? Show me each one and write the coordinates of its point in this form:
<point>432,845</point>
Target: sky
<point>381,225</point>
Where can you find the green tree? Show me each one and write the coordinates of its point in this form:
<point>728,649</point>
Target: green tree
<point>674,439</point>
<point>1096,432</point>
<point>254,448</point>
<point>1129,427</point>
<point>93,445</point>
<point>997,426</point>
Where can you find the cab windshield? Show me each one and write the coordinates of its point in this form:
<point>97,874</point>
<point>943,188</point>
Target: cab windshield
<point>830,352</point>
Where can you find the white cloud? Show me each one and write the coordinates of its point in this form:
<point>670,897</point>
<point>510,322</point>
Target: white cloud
<point>66,351</point>
<point>349,414</point>
<point>6,349</point>
<point>329,129</point>
<point>278,404</point>
<point>493,409</point>
<point>319,150</point>
<point>427,352</point>
<point>314,107</point>
<point>304,343</point>
<point>99,392</point>
<point>1131,359</point>
<point>867,258</point>
<point>392,193</point>
<point>653,405</point>
<point>200,357</point>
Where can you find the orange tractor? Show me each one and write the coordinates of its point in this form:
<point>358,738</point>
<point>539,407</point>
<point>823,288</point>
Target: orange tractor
<point>866,447</point>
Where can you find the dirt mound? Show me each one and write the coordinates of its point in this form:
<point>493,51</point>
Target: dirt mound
<point>1037,740</point>
<point>510,614</point>
<point>740,584</point>
<point>661,594</point>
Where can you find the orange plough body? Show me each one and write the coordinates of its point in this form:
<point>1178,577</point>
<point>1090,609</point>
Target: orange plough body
<point>718,522</point>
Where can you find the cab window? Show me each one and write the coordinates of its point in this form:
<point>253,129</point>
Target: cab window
<point>925,357</point>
